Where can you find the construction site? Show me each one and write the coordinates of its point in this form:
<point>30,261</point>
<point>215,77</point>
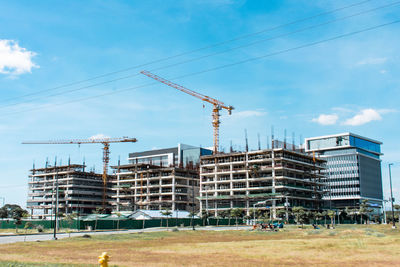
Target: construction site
<point>269,180</point>
<point>69,188</point>
<point>152,187</point>
<point>187,178</point>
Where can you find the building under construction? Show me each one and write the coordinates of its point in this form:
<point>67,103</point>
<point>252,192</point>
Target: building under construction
<point>152,187</point>
<point>156,179</point>
<point>279,178</point>
<point>70,186</point>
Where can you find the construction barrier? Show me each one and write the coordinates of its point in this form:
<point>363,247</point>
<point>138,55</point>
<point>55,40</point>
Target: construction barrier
<point>114,224</point>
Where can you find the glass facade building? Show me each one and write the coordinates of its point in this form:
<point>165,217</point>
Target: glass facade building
<point>182,155</point>
<point>353,170</point>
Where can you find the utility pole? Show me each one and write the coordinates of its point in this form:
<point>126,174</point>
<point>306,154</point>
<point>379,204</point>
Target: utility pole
<point>384,211</point>
<point>193,203</point>
<point>207,187</point>
<point>391,195</point>
<point>56,202</point>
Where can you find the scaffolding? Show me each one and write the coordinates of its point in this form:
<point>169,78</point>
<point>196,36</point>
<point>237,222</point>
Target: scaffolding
<point>78,191</point>
<point>280,176</point>
<point>152,187</point>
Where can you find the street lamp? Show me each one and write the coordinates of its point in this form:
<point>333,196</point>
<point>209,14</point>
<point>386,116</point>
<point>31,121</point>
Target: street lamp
<point>391,195</point>
<point>193,202</point>
<point>56,201</point>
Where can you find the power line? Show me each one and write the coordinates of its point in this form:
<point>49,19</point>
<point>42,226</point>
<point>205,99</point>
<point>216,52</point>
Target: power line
<point>192,51</point>
<point>218,67</point>
<point>278,36</point>
<point>208,55</point>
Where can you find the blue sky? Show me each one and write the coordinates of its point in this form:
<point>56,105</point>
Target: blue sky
<point>348,84</point>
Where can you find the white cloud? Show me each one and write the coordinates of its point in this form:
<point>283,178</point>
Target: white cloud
<point>99,136</point>
<point>326,119</point>
<point>15,60</point>
<point>372,61</point>
<point>365,116</point>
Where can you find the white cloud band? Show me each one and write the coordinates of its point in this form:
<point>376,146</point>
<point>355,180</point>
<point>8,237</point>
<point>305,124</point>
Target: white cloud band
<point>15,60</point>
<point>365,116</point>
<point>326,119</point>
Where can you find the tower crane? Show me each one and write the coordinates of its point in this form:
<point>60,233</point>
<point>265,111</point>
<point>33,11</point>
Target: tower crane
<point>106,151</point>
<point>217,105</point>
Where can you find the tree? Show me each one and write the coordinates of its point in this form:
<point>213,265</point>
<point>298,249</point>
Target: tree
<point>217,217</point>
<point>204,216</point>
<point>26,227</point>
<point>96,213</point>
<point>363,210</point>
<point>229,212</point>
<point>300,215</point>
<point>191,215</point>
<point>224,214</point>
<point>3,213</point>
<point>166,212</point>
<point>311,215</point>
<point>237,213</point>
<point>281,213</point>
<point>319,216</point>
<point>397,208</point>
<point>70,219</point>
<point>266,216</point>
<point>331,214</point>
<point>119,216</point>
<point>17,213</point>
<point>350,212</point>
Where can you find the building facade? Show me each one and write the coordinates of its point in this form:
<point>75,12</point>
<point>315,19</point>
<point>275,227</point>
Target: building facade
<point>156,179</point>
<point>281,177</point>
<point>150,187</point>
<point>353,168</point>
<point>78,191</point>
<point>180,156</point>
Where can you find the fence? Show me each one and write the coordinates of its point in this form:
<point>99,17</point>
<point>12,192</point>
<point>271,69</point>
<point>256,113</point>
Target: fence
<point>111,224</point>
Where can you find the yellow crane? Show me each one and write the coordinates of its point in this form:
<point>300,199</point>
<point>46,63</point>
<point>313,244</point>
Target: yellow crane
<point>106,151</point>
<point>218,105</point>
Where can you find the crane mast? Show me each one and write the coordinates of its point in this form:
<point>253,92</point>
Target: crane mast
<point>106,152</point>
<point>217,105</point>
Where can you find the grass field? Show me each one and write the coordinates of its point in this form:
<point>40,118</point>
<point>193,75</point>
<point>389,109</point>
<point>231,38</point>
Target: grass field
<point>373,245</point>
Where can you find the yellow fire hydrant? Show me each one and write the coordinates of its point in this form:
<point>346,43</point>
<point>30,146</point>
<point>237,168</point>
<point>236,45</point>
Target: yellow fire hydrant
<point>103,259</point>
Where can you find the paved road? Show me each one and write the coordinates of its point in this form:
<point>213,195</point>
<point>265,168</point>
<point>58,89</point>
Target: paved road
<point>45,237</point>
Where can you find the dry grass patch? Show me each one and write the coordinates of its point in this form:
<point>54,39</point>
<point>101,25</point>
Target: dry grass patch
<point>349,246</point>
